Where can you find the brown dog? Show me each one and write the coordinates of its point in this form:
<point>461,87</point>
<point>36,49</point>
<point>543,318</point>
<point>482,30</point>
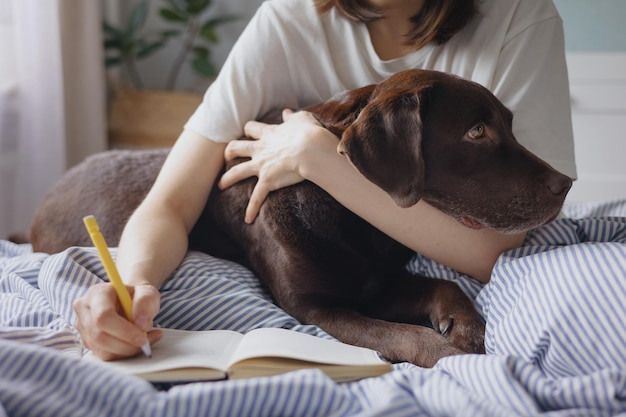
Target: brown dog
<point>417,135</point>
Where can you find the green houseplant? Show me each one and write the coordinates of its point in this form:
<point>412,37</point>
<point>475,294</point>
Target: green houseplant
<point>199,34</point>
<point>124,46</point>
<point>143,117</point>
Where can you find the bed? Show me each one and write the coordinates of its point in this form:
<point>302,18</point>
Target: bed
<point>555,338</point>
<point>554,309</point>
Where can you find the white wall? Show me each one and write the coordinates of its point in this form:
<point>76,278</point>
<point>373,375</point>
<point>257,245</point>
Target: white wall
<point>7,48</point>
<point>8,116</point>
<point>595,39</point>
<point>598,96</point>
<point>596,25</point>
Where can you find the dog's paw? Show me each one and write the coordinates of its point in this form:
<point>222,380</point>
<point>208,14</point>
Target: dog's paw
<point>455,318</point>
<point>465,333</point>
<point>430,346</point>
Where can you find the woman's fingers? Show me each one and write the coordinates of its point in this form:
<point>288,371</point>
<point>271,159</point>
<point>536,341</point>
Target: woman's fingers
<point>146,303</point>
<point>104,327</point>
<point>154,336</point>
<point>243,148</point>
<point>287,113</point>
<point>108,334</point>
<point>255,130</point>
<point>273,151</point>
<point>259,194</point>
<point>237,173</point>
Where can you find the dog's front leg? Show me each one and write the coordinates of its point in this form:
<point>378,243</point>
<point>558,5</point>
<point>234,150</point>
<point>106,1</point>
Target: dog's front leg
<point>398,342</point>
<point>437,303</point>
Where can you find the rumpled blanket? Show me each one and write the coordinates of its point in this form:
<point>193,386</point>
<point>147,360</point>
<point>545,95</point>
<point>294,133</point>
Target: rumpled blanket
<point>555,339</point>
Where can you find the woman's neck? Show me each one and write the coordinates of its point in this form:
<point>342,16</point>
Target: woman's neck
<point>388,34</point>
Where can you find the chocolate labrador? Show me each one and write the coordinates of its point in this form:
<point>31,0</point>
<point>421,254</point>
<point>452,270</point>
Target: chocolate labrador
<point>417,135</point>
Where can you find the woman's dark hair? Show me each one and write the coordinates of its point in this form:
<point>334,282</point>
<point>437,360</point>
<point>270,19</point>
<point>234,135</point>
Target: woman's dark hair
<point>438,20</point>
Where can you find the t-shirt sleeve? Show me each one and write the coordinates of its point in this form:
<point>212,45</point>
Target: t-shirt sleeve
<point>254,77</point>
<point>531,77</point>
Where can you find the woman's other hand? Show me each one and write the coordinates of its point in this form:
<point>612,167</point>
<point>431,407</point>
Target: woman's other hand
<point>276,153</point>
<point>104,328</point>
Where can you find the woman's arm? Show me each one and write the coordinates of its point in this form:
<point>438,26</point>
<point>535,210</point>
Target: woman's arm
<point>421,227</point>
<point>155,239</point>
<point>153,244</point>
<point>302,149</point>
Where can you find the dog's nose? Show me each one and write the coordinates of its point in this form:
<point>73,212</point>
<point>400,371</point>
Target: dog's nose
<point>559,184</point>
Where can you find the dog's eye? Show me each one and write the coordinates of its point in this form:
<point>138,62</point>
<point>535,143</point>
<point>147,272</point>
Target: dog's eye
<point>477,131</point>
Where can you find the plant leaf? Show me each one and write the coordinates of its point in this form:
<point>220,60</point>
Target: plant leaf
<point>110,30</point>
<point>173,15</point>
<point>113,43</point>
<point>176,7</point>
<point>110,62</point>
<point>201,52</point>
<point>204,67</point>
<point>217,21</point>
<point>196,7</point>
<point>138,17</point>
<point>208,32</point>
<point>150,48</point>
<point>170,33</point>
<point>127,47</point>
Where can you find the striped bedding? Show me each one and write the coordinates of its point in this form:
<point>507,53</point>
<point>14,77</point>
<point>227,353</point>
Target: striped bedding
<point>556,337</point>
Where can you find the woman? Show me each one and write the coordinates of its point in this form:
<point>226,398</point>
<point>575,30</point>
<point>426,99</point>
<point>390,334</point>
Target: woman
<point>298,52</point>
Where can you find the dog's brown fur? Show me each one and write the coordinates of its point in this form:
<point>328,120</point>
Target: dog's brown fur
<point>321,263</point>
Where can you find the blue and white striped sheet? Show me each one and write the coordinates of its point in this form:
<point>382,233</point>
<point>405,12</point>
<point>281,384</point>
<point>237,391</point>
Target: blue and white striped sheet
<point>556,337</point>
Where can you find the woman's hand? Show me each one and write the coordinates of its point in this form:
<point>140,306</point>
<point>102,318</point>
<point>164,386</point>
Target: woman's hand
<point>275,155</point>
<point>104,327</point>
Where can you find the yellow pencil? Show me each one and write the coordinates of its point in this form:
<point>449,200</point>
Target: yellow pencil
<point>111,270</point>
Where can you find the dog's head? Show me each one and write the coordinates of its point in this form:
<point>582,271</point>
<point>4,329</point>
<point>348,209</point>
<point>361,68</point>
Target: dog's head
<point>433,136</point>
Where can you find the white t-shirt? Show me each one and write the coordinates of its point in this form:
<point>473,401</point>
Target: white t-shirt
<point>289,56</point>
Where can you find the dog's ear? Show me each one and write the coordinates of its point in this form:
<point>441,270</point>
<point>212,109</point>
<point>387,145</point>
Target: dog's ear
<point>384,143</point>
<point>341,111</point>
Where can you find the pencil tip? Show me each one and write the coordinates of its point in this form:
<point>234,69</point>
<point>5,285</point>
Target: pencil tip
<point>147,350</point>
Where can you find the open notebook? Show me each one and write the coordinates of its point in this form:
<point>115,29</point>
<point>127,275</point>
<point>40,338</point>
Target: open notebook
<point>223,354</point>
